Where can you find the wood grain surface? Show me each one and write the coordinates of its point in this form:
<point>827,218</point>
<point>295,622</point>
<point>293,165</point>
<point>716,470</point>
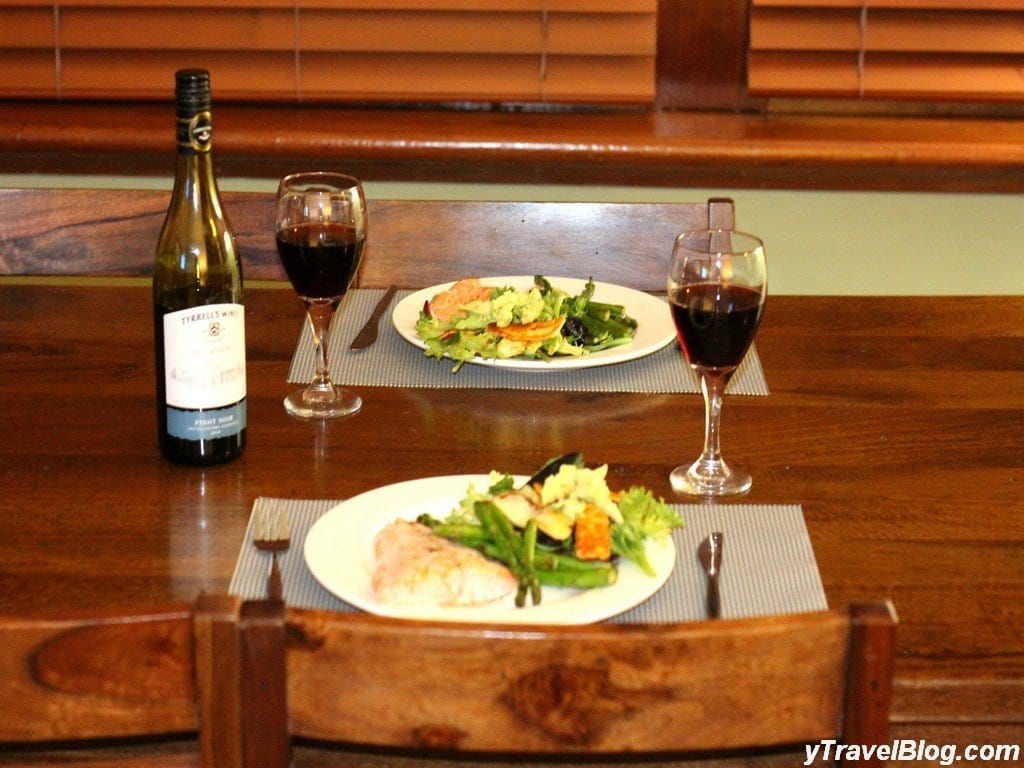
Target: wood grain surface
<point>95,677</point>
<point>691,687</point>
<point>724,149</point>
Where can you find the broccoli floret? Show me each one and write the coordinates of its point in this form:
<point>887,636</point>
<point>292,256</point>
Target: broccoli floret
<point>643,517</point>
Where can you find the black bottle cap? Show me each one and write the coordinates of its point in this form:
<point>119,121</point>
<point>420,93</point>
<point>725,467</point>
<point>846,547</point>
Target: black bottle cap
<point>192,91</point>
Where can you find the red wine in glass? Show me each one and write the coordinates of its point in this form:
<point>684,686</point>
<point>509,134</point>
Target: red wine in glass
<point>320,258</point>
<point>716,291</point>
<point>715,323</point>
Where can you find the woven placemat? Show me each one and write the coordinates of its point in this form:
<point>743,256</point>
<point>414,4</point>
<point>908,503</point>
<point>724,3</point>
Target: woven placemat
<point>769,566</point>
<point>393,362</point>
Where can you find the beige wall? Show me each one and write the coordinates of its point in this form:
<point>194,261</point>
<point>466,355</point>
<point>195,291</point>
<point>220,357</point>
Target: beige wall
<point>817,242</point>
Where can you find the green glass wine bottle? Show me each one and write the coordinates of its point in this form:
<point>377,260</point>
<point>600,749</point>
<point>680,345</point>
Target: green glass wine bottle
<point>198,316</point>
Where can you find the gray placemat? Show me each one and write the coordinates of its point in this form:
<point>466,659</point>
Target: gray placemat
<point>394,362</point>
<point>769,566</point>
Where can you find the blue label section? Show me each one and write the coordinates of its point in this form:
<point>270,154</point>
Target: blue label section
<point>206,425</point>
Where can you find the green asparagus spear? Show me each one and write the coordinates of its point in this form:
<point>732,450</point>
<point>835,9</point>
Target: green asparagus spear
<point>598,577</point>
<point>529,553</point>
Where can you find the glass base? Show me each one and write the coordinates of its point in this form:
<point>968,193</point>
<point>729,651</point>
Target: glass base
<point>317,403</point>
<point>709,478</point>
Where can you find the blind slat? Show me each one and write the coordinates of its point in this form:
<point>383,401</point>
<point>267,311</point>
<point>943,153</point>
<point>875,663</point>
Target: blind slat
<point>816,74</point>
<point>835,74</point>
<point>789,30</point>
<point>100,74</point>
<point>412,76</point>
<point>889,31</point>
<point>420,32</point>
<point>964,5</point>
<point>581,78</point>
<point>26,28</point>
<point>146,29</point>
<point>946,31</point>
<point>26,74</point>
<point>630,35</point>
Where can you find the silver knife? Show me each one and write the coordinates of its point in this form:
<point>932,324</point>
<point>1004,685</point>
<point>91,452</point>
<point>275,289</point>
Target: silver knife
<point>368,333</point>
<point>710,555</point>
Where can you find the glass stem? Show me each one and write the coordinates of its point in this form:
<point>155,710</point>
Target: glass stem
<point>320,315</point>
<point>712,386</point>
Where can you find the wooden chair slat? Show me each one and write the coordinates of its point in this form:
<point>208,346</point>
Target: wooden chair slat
<point>97,677</point>
<point>599,689</point>
<point>604,688</point>
<point>412,243</point>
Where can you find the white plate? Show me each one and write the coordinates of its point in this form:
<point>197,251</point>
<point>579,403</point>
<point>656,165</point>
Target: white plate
<point>654,322</point>
<point>339,553</point>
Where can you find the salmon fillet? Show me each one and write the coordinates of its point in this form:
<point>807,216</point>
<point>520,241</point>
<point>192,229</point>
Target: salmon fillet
<point>445,305</point>
<point>416,567</point>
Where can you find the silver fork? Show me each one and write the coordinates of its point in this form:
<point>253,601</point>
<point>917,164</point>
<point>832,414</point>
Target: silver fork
<point>271,534</point>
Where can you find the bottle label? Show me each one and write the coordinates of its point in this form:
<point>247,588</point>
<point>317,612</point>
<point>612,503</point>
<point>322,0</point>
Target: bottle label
<point>195,133</point>
<point>206,425</point>
<point>204,357</point>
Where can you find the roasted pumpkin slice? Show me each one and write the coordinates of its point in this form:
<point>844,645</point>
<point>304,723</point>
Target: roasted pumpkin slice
<point>535,331</point>
<point>593,539</point>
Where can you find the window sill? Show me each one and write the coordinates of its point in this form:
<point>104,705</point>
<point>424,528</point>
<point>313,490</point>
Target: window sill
<point>674,149</point>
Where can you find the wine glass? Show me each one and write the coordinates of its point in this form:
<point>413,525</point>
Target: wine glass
<point>716,291</point>
<point>320,229</point>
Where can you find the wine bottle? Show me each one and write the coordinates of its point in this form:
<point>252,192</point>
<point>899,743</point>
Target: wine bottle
<point>198,317</point>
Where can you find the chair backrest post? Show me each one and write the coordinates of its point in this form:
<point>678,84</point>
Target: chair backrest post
<point>240,670</point>
<point>265,738</point>
<point>217,645</point>
<point>721,213</point>
<point>869,689</point>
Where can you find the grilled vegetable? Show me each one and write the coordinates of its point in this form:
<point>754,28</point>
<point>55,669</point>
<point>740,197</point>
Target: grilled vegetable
<point>592,538</point>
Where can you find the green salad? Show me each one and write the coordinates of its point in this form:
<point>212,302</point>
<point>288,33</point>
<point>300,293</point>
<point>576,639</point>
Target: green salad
<point>472,320</point>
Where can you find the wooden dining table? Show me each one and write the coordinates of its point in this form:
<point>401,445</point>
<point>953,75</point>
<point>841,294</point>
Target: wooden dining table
<point>896,423</point>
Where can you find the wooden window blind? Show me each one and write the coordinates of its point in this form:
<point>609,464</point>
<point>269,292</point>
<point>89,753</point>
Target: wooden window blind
<point>571,51</point>
<point>943,50</point>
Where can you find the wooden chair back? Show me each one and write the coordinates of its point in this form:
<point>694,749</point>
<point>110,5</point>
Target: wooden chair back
<point>412,243</point>
<point>246,678</point>
<point>568,691</point>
